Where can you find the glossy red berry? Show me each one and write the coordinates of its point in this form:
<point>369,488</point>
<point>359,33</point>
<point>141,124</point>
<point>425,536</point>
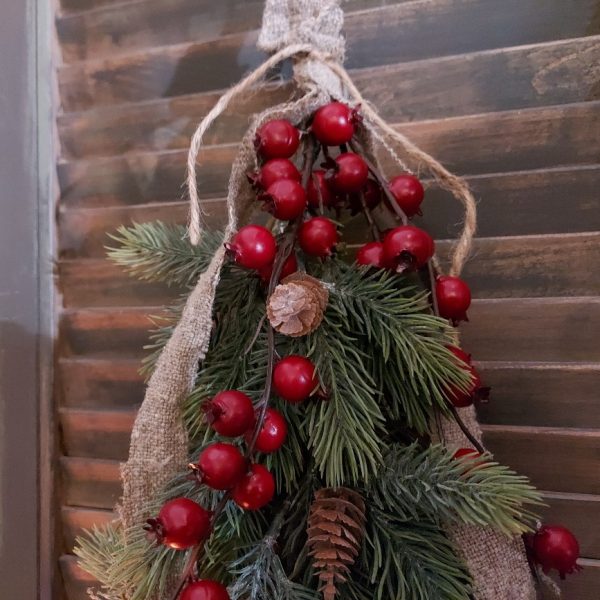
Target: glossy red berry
<point>277,139</point>
<point>290,265</point>
<point>295,378</point>
<point>205,589</point>
<point>454,298</point>
<point>255,490</point>
<point>460,354</point>
<point>285,199</point>
<point>274,170</point>
<point>372,193</point>
<point>320,190</point>
<point>350,173</point>
<point>334,124</point>
<point>182,523</point>
<point>229,413</point>
<point>555,547</point>
<point>475,390</point>
<point>318,237</point>
<point>272,434</point>
<point>371,254</point>
<point>221,466</point>
<point>463,452</point>
<point>253,247</point>
<point>408,193</point>
<point>408,247</point>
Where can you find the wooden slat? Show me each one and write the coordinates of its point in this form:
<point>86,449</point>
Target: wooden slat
<point>583,585</point>
<point>83,5</point>
<point>109,332</point>
<point>76,580</point>
<point>534,329</point>
<point>427,89</point>
<point>374,37</point>
<point>90,482</point>
<point>541,394</point>
<point>578,512</point>
<point>490,143</point>
<point>554,458</point>
<point>96,433</point>
<point>100,383</point>
<point>77,520</point>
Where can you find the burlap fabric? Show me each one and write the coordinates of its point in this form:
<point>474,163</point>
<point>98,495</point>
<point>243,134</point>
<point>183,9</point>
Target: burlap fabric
<point>309,32</point>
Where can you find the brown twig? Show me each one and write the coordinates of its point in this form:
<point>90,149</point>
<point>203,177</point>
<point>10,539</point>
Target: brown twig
<point>432,278</point>
<point>369,217</point>
<point>476,443</point>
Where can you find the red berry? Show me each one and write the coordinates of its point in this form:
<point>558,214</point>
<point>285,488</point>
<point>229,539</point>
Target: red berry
<point>461,452</point>
<point>454,298</point>
<point>371,254</point>
<point>318,236</point>
<point>350,174</point>
<point>290,265</point>
<point>205,589</point>
<point>460,354</point>
<point>295,378</point>
<point>277,139</point>
<point>182,523</point>
<point>475,390</point>
<point>408,193</point>
<point>320,190</point>
<point>372,193</point>
<point>230,413</point>
<point>274,170</point>
<point>253,247</point>
<point>408,247</point>
<point>255,489</point>
<point>285,199</point>
<point>333,124</point>
<point>221,466</point>
<point>272,434</point>
<point>555,547</point>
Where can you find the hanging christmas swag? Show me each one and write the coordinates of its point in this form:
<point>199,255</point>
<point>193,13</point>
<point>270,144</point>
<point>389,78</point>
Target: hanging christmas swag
<point>324,406</point>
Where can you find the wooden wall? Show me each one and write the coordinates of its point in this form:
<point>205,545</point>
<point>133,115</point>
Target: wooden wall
<point>506,93</point>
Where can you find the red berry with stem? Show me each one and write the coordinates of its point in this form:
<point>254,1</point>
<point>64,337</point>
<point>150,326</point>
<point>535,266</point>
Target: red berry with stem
<point>454,298</point>
<point>229,413</point>
<point>255,490</point>
<point>205,589</point>
<point>290,265</point>
<point>463,356</point>
<point>408,248</point>
<point>277,139</point>
<point>475,390</point>
<point>285,199</point>
<point>272,434</point>
<point>371,254</point>
<point>464,452</point>
<point>334,124</point>
<point>350,173</point>
<point>408,193</point>
<point>274,170</point>
<point>253,247</point>
<point>318,237</point>
<point>372,193</point>
<point>220,466</point>
<point>555,547</point>
<point>319,190</point>
<point>180,524</point>
<point>295,378</point>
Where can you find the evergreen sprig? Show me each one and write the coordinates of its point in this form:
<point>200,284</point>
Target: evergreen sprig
<point>158,251</point>
<point>417,483</point>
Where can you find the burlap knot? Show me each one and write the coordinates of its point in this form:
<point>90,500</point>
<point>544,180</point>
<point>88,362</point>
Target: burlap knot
<point>309,32</point>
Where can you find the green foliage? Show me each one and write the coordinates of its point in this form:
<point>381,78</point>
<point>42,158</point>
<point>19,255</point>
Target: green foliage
<point>410,561</point>
<point>430,484</point>
<point>158,251</point>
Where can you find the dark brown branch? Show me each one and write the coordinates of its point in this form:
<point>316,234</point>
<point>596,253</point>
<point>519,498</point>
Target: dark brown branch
<point>476,443</point>
<point>369,217</point>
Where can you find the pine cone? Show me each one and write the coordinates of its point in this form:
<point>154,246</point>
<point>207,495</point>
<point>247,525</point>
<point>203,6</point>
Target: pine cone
<point>297,305</point>
<point>335,531</point>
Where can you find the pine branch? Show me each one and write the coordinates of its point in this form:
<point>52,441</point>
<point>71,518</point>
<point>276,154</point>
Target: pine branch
<point>430,484</point>
<point>408,345</point>
<point>158,251</point>
<point>411,561</point>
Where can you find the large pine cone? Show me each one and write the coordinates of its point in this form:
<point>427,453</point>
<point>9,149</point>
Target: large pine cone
<point>297,305</point>
<point>336,526</point>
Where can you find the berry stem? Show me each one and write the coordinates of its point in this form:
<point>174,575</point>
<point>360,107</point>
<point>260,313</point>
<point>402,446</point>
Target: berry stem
<point>358,149</point>
<point>432,277</point>
<point>369,217</point>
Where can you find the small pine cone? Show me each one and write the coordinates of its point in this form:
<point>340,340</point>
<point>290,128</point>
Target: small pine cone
<point>336,526</point>
<point>297,305</point>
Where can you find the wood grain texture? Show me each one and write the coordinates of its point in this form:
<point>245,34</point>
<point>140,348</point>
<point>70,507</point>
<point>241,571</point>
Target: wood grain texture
<point>90,482</point>
<point>556,459</point>
<point>77,520</point>
<point>541,394</point>
<point>489,143</point>
<point>76,580</point>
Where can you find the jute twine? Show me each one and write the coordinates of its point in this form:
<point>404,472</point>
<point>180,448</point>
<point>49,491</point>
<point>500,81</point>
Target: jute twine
<point>309,33</point>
